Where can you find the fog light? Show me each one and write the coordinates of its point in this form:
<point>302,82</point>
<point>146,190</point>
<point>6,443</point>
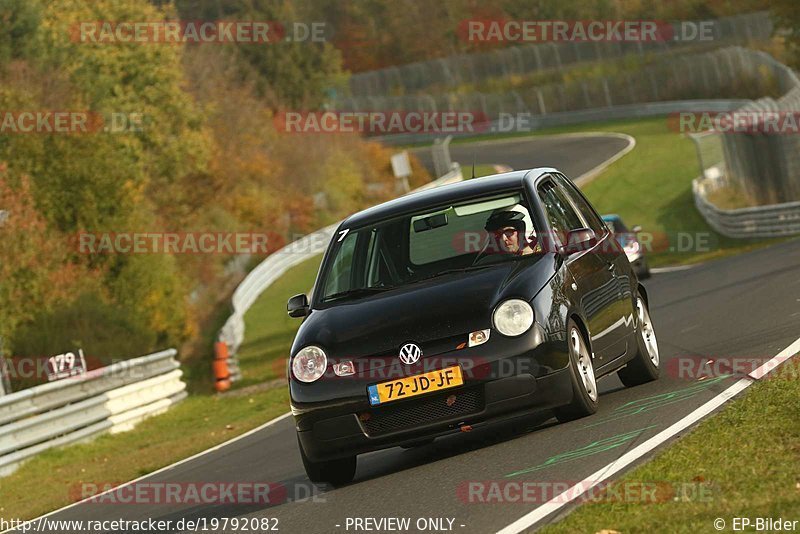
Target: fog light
<point>345,368</point>
<point>479,337</point>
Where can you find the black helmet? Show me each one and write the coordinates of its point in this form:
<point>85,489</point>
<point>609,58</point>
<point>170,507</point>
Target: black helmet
<point>501,219</point>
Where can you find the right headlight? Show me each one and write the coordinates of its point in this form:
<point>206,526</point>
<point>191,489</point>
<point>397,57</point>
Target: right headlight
<point>309,364</point>
<point>513,317</point>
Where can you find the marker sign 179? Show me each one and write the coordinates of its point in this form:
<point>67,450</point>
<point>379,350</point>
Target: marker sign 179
<point>65,365</point>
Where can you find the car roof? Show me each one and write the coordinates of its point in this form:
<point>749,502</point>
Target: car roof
<point>444,194</point>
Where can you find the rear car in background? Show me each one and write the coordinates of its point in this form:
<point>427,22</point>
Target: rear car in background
<point>629,241</point>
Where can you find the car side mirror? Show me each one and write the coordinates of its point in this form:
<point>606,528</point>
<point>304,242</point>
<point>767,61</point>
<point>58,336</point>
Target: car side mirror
<point>297,306</point>
<point>636,229</point>
<point>579,240</point>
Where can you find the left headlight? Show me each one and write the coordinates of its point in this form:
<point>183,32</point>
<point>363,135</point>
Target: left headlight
<point>309,364</point>
<point>513,317</point>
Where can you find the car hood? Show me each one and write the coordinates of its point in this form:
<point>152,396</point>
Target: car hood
<point>432,313</point>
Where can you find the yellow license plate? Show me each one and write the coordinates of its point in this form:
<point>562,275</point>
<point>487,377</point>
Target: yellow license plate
<point>411,386</point>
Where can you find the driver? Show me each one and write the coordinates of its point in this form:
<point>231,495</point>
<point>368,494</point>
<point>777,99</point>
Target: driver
<point>508,229</point>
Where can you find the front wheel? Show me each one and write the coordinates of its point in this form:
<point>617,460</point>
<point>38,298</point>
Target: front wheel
<point>584,382</point>
<point>644,367</point>
<point>336,472</point>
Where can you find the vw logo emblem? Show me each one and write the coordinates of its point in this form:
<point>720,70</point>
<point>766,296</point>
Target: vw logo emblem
<point>410,353</point>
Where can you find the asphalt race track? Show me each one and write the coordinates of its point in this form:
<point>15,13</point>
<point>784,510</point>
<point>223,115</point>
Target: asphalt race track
<point>745,306</point>
<point>571,154</point>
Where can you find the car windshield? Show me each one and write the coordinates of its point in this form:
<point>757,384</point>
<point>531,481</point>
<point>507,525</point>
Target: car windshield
<point>431,243</point>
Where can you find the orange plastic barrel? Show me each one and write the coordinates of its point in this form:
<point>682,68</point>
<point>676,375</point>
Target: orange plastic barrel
<point>222,374</point>
<point>220,350</point>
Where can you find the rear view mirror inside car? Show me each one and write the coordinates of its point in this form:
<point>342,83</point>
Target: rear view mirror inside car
<point>427,223</point>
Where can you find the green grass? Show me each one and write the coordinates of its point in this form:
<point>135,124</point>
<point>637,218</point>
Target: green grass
<point>747,457</point>
<point>52,479</point>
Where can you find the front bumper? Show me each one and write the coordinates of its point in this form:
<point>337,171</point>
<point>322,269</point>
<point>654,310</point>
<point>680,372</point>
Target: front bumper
<point>336,429</point>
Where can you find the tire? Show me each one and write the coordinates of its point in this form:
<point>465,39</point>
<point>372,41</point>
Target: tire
<point>644,270</point>
<point>584,383</point>
<point>644,367</point>
<point>334,472</point>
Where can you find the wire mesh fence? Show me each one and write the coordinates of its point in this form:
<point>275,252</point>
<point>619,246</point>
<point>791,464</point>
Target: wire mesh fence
<point>449,72</point>
<point>726,72</point>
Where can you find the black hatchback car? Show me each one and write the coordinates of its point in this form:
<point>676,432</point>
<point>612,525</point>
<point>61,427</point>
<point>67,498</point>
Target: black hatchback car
<point>461,306</point>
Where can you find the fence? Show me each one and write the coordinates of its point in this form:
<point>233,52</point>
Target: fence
<point>727,72</point>
<point>274,266</point>
<point>109,399</point>
<point>527,59</point>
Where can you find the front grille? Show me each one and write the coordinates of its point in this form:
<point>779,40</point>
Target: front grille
<point>423,411</point>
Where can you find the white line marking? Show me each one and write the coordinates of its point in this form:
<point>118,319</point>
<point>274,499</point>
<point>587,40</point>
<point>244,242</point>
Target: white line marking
<point>591,174</point>
<point>559,501</point>
<point>769,365</point>
<point>675,269</point>
<point>165,468</point>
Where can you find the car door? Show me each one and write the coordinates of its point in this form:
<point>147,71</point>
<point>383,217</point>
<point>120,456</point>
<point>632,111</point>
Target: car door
<point>597,289</point>
<point>614,258</point>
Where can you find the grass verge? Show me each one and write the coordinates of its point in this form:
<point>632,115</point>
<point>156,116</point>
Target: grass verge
<point>54,478</point>
<point>748,455</point>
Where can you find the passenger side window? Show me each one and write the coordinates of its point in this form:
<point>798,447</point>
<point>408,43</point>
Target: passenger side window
<point>562,216</point>
<point>588,214</point>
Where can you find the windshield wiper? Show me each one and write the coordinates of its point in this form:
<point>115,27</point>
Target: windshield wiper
<point>459,270</point>
<point>359,291</point>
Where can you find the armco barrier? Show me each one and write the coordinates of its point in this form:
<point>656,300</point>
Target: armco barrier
<point>272,268</point>
<point>109,399</point>
<point>775,220</point>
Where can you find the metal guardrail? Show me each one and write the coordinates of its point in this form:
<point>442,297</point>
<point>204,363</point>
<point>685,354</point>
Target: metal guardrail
<point>274,266</point>
<point>776,220</point>
<point>109,399</point>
